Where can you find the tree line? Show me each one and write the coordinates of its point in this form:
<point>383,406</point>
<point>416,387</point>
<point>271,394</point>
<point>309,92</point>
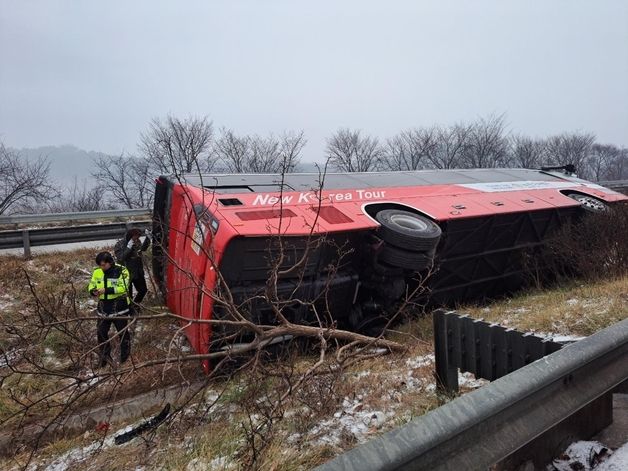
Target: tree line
<point>174,145</point>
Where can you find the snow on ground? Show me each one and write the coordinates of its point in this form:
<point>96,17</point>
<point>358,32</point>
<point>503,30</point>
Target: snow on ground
<point>353,420</point>
<point>6,301</point>
<point>583,455</point>
<point>591,456</point>
<point>418,362</point>
<point>8,357</point>
<point>468,380</point>
<point>617,462</point>
<point>560,338</point>
<point>80,454</point>
<point>218,463</point>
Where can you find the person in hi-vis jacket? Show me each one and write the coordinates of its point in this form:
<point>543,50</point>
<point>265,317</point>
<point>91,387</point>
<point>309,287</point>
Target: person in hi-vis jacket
<point>110,283</point>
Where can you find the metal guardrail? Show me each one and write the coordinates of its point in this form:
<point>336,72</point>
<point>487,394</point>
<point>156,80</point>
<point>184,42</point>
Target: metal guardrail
<point>617,185</point>
<point>28,238</point>
<point>487,350</point>
<point>81,216</point>
<point>487,425</point>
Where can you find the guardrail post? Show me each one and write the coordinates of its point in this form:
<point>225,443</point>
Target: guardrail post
<point>446,375</point>
<point>27,243</point>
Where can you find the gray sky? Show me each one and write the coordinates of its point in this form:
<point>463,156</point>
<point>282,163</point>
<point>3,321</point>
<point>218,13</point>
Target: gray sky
<point>94,73</point>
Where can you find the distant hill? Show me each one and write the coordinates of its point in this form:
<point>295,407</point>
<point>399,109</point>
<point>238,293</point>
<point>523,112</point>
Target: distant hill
<point>67,162</point>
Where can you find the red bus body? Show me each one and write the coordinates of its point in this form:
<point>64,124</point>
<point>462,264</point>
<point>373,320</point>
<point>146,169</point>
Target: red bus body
<point>222,223</point>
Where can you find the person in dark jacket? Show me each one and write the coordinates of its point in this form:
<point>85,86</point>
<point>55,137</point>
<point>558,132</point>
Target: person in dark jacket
<point>110,283</point>
<point>129,253</point>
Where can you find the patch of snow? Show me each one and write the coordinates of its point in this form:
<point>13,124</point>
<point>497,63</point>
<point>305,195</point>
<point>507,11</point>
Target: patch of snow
<point>221,462</point>
<point>518,310</point>
<point>572,302</point>
<point>617,462</point>
<point>561,338</point>
<point>378,351</point>
<point>566,338</point>
<point>418,362</point>
<point>468,380</point>
<point>6,302</point>
<point>351,419</point>
<point>583,455</point>
<point>76,455</point>
<point>196,464</point>
<point>9,357</point>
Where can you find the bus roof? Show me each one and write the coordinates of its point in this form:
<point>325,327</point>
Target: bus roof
<point>256,183</point>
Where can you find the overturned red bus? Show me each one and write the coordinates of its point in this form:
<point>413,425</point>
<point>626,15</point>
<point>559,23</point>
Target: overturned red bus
<point>380,229</point>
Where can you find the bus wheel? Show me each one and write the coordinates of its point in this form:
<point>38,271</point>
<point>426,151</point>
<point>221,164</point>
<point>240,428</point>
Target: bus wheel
<point>589,203</point>
<point>415,261</point>
<point>407,230</point>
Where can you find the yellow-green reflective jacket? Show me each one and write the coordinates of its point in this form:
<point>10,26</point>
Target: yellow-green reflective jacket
<point>115,281</point>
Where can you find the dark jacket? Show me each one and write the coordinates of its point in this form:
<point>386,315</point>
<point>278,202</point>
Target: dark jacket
<point>132,257</point>
<point>116,281</point>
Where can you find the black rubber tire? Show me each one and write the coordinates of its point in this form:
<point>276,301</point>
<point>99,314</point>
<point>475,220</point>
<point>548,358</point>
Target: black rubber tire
<point>589,203</point>
<point>407,230</point>
<point>400,258</point>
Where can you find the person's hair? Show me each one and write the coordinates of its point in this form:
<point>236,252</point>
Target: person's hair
<point>104,257</point>
<point>135,231</point>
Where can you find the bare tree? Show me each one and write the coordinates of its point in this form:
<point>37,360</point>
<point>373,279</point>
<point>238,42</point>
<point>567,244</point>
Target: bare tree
<point>600,160</point>
<point>349,151</point>
<point>291,145</point>
<point>451,145</point>
<point>257,154</point>
<point>126,180</point>
<point>76,198</point>
<point>486,145</point>
<point>527,152</point>
<point>23,183</point>
<point>413,149</point>
<point>571,148</point>
<point>178,146</point>
<point>617,167</point>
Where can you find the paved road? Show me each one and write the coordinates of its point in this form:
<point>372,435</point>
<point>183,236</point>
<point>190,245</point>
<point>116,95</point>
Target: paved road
<point>105,244</point>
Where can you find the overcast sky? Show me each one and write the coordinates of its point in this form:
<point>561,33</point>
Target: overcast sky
<point>94,73</point>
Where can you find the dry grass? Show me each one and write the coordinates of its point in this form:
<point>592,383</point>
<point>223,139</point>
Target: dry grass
<point>577,308</point>
<point>66,274</point>
<point>325,419</point>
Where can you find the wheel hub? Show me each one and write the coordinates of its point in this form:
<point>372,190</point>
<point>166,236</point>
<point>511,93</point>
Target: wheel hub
<point>409,222</point>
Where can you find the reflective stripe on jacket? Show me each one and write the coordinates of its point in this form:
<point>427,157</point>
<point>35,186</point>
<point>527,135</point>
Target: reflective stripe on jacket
<point>115,281</point>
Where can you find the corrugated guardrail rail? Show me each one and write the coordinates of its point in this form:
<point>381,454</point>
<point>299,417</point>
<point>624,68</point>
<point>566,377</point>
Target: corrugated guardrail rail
<point>28,238</point>
<point>618,185</point>
<point>34,237</point>
<point>485,426</point>
<point>79,216</point>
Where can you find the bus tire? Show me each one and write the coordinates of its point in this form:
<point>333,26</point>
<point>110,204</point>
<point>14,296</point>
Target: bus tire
<point>415,261</point>
<point>589,203</point>
<point>408,231</point>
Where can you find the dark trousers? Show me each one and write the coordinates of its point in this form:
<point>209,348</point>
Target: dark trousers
<point>139,284</point>
<point>103,327</point>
